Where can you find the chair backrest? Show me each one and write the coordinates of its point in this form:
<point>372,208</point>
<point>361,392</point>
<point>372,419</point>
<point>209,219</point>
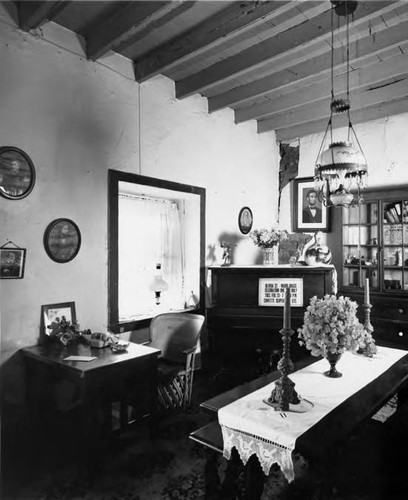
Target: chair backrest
<point>173,333</point>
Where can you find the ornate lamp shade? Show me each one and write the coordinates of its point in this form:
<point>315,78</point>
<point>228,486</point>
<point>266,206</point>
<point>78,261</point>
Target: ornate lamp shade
<point>341,167</point>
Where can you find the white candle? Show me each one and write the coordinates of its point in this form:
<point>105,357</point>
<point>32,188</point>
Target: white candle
<point>367,291</point>
<point>286,309</point>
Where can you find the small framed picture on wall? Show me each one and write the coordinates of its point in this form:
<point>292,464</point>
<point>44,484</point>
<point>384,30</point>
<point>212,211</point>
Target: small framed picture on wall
<point>62,240</point>
<point>12,261</point>
<point>245,220</point>
<point>17,173</point>
<point>308,212</point>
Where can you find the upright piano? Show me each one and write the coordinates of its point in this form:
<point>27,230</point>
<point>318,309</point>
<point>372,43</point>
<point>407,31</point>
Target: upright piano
<point>245,315</point>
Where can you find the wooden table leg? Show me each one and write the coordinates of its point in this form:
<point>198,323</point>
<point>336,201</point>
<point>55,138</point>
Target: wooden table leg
<point>254,479</point>
<point>92,426</point>
<point>153,396</point>
<point>235,467</point>
<point>211,476</point>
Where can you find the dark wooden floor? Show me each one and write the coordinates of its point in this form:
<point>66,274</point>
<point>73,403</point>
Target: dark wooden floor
<point>371,466</point>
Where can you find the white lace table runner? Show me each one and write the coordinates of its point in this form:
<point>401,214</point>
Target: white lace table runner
<point>253,427</point>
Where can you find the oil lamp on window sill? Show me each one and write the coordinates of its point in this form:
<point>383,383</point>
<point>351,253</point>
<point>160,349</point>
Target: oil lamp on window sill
<point>158,285</point>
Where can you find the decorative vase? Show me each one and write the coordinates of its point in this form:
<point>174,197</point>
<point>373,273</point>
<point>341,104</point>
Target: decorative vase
<point>332,359</point>
<point>270,256</point>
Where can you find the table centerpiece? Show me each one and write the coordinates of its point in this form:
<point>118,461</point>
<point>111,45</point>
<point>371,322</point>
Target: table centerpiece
<point>331,327</point>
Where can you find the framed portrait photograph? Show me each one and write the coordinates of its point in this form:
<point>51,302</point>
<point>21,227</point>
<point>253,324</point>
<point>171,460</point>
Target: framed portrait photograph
<point>308,212</point>
<point>53,314</point>
<point>62,240</point>
<point>245,220</point>
<point>17,173</point>
<point>12,261</point>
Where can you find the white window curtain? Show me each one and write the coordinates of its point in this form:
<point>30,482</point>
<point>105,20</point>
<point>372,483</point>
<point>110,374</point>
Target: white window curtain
<point>151,231</point>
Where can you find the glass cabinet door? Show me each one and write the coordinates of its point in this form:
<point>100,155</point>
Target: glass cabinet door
<point>361,246</point>
<point>395,245</point>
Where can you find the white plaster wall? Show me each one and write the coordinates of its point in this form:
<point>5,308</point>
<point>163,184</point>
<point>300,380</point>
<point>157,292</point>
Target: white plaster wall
<point>76,119</point>
<point>385,146</point>
<point>237,166</point>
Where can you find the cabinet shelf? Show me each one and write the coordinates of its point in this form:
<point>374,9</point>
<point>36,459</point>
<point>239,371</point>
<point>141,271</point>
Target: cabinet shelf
<point>362,224</point>
<point>368,245</point>
<point>365,266</point>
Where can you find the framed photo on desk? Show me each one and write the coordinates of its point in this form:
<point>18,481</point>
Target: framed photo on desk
<point>52,314</point>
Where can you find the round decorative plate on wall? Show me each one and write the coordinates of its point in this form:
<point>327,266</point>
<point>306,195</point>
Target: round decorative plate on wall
<point>17,173</point>
<point>62,240</point>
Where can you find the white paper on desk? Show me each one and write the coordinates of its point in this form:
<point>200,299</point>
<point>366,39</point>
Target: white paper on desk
<point>79,358</point>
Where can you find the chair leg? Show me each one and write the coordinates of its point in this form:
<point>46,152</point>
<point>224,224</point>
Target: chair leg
<point>178,391</point>
<point>186,402</point>
<point>190,387</point>
<point>163,398</point>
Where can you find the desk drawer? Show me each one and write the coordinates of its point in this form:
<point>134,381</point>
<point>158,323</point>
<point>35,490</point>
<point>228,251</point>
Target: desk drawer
<point>393,333</point>
<point>394,309</point>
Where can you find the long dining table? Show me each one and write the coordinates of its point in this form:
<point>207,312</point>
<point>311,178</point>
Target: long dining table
<point>314,446</point>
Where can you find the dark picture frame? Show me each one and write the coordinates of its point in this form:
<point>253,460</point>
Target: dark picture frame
<point>12,263</point>
<point>303,219</point>
<point>62,240</point>
<point>245,220</point>
<point>17,173</point>
<point>51,314</point>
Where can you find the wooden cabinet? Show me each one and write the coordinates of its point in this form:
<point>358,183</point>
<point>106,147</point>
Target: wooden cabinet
<point>371,241</point>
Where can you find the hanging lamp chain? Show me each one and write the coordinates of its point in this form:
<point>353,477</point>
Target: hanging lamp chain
<point>342,166</point>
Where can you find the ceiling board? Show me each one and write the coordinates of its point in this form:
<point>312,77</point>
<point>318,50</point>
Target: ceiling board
<point>269,61</point>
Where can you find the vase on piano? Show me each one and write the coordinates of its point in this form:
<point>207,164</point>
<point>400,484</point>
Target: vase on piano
<point>332,359</point>
<point>270,256</point>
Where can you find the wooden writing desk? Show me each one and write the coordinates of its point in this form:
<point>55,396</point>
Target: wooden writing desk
<point>315,445</point>
<point>98,383</point>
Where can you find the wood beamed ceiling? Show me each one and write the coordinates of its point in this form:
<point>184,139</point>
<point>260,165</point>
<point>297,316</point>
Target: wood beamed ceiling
<point>269,61</point>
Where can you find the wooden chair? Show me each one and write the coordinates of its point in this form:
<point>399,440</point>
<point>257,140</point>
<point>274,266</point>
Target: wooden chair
<point>177,336</point>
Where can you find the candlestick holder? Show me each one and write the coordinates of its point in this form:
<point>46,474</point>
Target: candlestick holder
<point>367,313</point>
<point>284,396</point>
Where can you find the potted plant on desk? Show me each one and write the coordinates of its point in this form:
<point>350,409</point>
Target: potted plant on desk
<point>331,327</point>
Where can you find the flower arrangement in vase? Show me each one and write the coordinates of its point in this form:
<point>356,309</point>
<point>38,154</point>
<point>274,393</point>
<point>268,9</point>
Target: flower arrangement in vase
<point>268,240</point>
<point>331,327</point>
<point>67,332</point>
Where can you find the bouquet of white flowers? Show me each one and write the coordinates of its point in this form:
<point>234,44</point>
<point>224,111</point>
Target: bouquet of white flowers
<point>331,326</point>
<point>268,238</point>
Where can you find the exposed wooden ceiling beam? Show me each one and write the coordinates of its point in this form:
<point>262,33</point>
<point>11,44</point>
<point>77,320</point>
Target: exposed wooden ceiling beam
<point>374,112</point>
<point>359,100</point>
<point>134,20</point>
<point>32,15</point>
<point>288,42</point>
<point>309,70</point>
<point>238,18</point>
<point>362,77</point>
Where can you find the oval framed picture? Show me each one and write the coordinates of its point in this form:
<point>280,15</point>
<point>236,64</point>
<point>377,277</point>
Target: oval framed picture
<point>62,240</point>
<point>245,220</point>
<point>17,173</point>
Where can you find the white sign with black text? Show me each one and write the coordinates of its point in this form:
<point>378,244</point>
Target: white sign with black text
<point>272,291</point>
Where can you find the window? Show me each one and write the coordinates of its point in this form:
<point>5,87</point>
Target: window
<point>152,222</point>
